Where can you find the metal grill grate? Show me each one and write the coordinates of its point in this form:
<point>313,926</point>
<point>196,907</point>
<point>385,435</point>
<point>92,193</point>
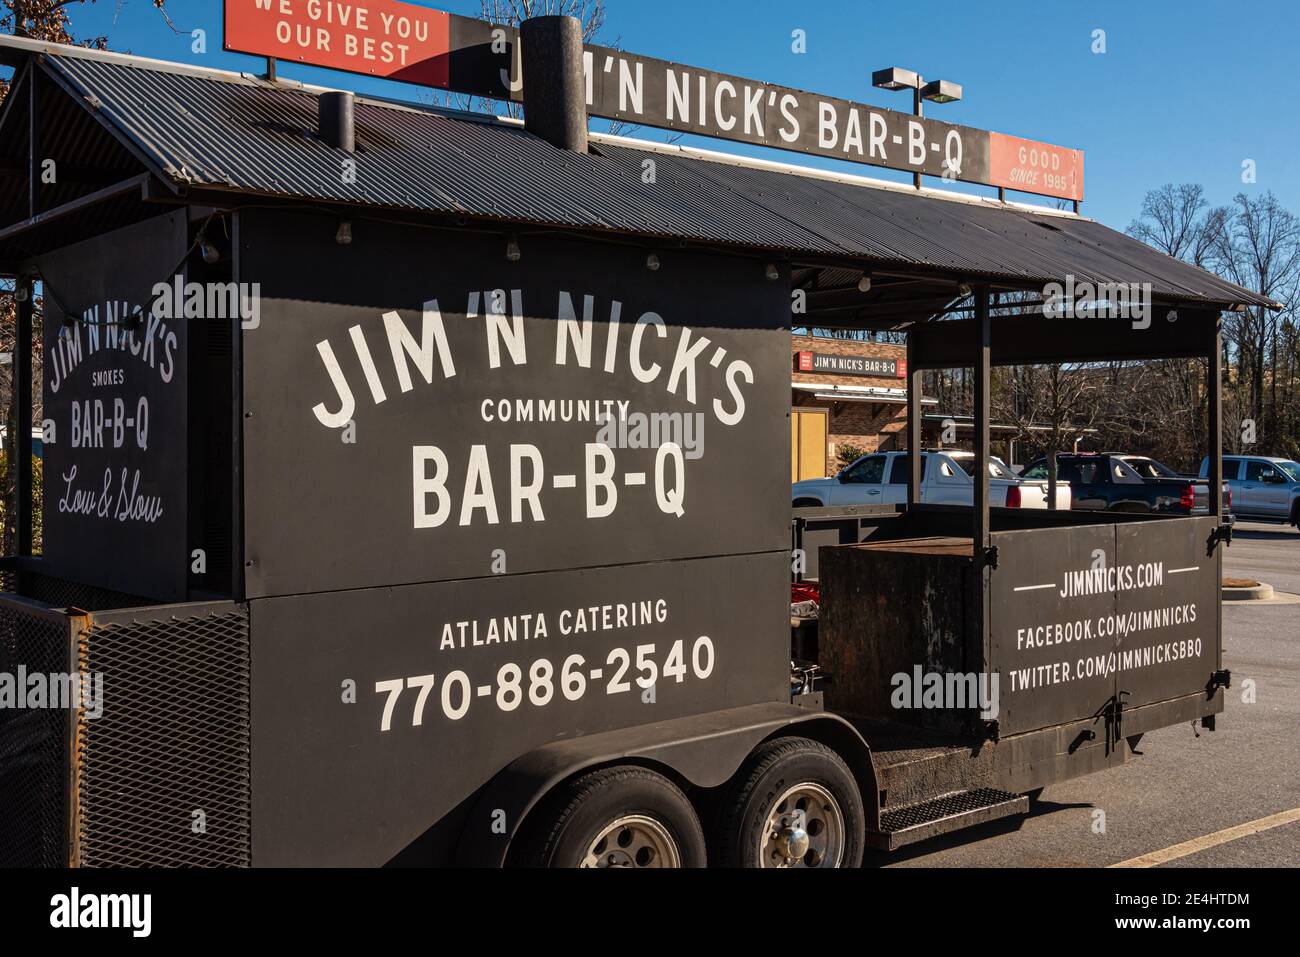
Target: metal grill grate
<point>33,743</point>
<point>173,740</point>
<point>950,805</point>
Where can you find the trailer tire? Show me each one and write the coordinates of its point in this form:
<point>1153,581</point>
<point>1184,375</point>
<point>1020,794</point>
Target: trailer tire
<point>623,816</point>
<point>782,776</point>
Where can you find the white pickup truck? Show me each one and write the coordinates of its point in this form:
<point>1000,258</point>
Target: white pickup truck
<point>881,478</point>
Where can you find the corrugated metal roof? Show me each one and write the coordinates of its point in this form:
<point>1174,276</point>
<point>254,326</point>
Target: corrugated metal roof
<point>228,131</point>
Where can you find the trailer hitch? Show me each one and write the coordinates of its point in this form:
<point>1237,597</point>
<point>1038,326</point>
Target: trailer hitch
<point>1222,533</point>
<point>1218,679</point>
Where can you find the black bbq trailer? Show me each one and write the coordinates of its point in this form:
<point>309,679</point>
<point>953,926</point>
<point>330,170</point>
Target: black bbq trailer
<point>358,539</point>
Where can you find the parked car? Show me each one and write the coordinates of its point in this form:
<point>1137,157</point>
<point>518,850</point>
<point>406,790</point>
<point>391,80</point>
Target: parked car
<point>881,478</point>
<point>1262,486</point>
<point>1106,482</point>
<point>1147,467</point>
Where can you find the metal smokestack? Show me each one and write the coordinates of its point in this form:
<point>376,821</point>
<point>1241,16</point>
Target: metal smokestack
<point>555,88</point>
<point>338,120</point>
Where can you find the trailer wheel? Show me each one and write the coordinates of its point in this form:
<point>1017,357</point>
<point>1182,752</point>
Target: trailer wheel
<point>794,804</point>
<point>616,817</point>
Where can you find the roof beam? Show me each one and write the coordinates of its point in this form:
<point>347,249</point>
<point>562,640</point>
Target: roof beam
<point>135,183</point>
<point>1033,340</point>
<point>33,146</point>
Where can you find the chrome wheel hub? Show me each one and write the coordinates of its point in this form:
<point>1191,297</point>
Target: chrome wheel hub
<point>805,828</point>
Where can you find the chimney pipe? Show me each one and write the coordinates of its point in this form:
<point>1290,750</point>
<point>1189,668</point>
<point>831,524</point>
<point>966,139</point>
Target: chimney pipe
<point>555,85</point>
<point>338,120</point>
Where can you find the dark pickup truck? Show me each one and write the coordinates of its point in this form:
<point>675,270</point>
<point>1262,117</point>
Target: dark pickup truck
<point>1107,482</point>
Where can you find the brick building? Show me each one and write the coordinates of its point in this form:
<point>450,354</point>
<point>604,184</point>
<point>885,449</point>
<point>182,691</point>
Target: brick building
<point>844,392</point>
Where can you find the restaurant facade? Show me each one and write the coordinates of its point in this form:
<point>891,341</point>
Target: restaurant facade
<point>846,394</point>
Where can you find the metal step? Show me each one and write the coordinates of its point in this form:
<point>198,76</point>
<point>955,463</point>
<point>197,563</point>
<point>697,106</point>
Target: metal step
<point>910,823</point>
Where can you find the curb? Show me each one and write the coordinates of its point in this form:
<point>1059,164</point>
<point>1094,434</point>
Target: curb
<point>1259,592</point>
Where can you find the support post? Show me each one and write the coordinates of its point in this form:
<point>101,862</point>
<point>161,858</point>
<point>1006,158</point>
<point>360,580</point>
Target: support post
<point>978,635</point>
<point>1214,451</point>
<point>981,424</point>
<point>917,109</point>
<point>21,443</point>
<point>978,627</point>
<point>1214,426</point>
<point>33,143</point>
<point>914,423</point>
<point>1052,479</point>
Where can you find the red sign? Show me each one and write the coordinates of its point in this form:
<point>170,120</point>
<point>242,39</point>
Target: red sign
<point>1035,167</point>
<point>384,38</point>
<point>805,362</point>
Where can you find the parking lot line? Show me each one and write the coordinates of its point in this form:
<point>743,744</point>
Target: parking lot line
<point>1196,844</point>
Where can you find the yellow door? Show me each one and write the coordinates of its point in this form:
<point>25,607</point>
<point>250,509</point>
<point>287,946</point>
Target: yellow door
<point>808,433</point>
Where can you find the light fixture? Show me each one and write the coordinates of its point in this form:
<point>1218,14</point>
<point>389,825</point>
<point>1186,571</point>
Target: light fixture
<point>941,91</point>
<point>937,91</point>
<point>512,249</point>
<point>652,262</point>
<point>895,78</point>
<point>772,272</point>
<point>964,289</point>
<point>864,284</point>
<point>211,255</point>
<point>344,235</point>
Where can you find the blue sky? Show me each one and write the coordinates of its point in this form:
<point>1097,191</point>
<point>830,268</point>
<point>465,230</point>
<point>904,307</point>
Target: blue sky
<point>1185,91</point>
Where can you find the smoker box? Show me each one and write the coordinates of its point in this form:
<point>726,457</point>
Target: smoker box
<point>1101,614</point>
<point>889,608</point>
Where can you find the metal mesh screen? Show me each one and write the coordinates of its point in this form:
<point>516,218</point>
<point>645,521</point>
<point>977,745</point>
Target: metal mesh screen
<point>164,772</point>
<point>60,593</point>
<point>33,741</point>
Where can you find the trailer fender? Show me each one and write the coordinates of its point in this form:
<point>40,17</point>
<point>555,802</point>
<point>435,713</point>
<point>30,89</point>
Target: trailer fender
<point>703,750</point>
